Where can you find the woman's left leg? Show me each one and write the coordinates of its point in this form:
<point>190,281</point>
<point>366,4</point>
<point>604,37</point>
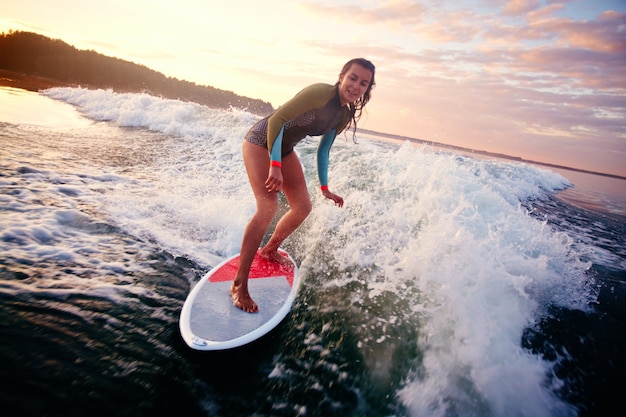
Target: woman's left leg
<point>297,194</point>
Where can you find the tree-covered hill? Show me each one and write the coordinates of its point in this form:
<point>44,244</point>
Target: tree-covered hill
<point>52,62</point>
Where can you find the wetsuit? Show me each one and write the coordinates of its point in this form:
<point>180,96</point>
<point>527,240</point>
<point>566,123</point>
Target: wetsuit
<point>314,111</point>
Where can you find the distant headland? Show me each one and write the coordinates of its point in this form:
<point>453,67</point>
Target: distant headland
<point>34,62</point>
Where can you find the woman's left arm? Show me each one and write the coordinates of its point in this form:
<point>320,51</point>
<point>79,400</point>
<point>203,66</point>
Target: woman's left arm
<point>323,154</point>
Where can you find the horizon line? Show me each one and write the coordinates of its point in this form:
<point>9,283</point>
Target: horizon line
<point>487,153</point>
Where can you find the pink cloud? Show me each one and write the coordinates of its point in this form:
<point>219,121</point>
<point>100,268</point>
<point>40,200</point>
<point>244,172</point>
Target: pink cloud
<point>544,13</point>
<point>394,13</point>
<point>517,7</point>
<point>607,34</point>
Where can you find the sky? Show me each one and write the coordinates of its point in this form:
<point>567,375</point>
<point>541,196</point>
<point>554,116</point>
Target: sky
<point>538,79</point>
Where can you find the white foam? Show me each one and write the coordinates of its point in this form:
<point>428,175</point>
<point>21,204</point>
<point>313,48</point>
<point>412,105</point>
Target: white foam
<point>171,117</point>
<point>484,269</point>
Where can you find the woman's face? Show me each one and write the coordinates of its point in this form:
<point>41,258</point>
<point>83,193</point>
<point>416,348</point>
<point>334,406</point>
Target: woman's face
<point>354,83</point>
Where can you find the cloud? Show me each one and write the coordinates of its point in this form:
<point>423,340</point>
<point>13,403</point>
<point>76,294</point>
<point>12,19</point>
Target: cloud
<point>544,13</point>
<point>607,34</point>
<point>516,7</point>
<point>393,13</point>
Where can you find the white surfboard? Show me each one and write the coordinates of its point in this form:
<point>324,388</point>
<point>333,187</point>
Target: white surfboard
<point>210,321</point>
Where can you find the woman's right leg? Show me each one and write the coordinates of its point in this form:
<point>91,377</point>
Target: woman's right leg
<point>257,162</point>
<point>297,194</point>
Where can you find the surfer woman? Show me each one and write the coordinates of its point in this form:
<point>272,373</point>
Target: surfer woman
<point>273,166</point>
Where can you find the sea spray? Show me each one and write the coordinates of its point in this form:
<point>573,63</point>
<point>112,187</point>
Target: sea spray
<point>449,237</point>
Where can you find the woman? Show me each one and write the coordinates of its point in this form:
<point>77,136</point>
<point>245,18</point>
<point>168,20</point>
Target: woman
<point>272,166</point>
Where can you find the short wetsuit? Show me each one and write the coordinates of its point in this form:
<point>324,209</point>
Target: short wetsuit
<point>314,111</point>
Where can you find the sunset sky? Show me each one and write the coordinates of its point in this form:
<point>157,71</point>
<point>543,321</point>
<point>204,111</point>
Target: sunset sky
<point>543,80</point>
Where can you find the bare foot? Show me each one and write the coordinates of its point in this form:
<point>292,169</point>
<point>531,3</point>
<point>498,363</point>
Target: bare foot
<point>241,298</point>
<point>275,256</point>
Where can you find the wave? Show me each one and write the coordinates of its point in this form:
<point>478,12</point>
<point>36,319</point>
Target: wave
<point>436,258</point>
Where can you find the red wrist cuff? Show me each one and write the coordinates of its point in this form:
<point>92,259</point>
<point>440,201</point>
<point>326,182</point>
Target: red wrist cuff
<point>276,164</point>
<point>324,187</point>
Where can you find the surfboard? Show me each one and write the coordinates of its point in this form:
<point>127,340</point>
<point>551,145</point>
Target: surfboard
<point>210,321</point>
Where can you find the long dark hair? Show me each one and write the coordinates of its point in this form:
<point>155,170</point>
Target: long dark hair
<point>357,107</point>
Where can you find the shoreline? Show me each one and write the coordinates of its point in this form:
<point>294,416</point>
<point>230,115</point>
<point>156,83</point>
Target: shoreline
<point>28,82</point>
<point>36,84</point>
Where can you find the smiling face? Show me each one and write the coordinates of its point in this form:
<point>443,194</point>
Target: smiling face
<point>354,83</point>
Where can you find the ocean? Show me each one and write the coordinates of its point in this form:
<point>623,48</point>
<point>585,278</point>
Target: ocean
<point>447,285</point>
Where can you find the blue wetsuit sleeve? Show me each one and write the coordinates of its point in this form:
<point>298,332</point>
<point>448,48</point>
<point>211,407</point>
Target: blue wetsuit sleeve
<point>275,152</point>
<point>323,152</point>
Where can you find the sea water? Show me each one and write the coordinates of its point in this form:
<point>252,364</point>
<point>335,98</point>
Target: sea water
<point>446,286</point>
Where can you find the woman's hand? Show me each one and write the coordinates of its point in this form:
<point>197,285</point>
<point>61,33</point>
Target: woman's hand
<point>274,181</point>
<point>331,196</point>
